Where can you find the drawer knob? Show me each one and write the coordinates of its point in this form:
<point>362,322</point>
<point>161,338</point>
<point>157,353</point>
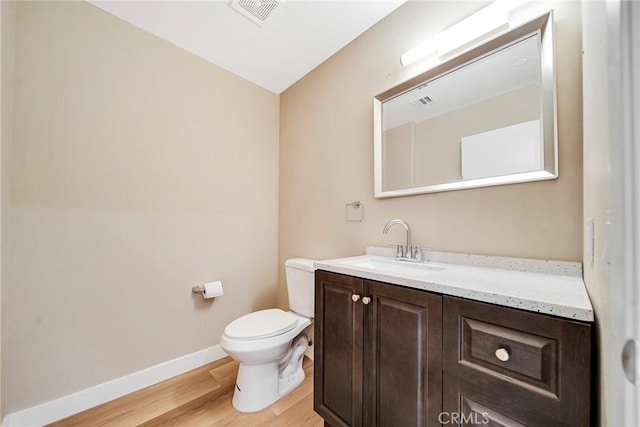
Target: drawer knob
<point>355,297</point>
<point>366,300</point>
<point>502,354</point>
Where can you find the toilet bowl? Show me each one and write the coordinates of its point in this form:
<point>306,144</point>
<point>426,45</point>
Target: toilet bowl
<point>270,344</point>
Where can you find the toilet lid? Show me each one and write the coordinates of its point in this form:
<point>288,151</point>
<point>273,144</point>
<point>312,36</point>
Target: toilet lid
<point>261,324</point>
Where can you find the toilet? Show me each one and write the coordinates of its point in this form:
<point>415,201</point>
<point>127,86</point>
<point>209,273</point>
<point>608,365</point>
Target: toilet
<point>270,344</point>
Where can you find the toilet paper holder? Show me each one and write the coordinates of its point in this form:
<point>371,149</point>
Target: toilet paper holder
<point>209,290</point>
<point>197,289</point>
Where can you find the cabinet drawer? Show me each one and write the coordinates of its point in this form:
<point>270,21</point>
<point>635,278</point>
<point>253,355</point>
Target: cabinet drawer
<point>520,355</point>
<point>527,357</point>
<point>467,404</point>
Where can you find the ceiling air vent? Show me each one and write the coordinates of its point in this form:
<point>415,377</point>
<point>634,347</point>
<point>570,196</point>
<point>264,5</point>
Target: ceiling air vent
<point>421,102</point>
<point>258,11</point>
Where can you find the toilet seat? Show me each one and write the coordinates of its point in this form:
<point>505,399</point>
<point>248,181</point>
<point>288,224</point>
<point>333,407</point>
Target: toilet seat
<point>261,324</point>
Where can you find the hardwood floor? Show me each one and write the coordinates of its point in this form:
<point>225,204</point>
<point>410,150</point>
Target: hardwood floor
<point>201,397</point>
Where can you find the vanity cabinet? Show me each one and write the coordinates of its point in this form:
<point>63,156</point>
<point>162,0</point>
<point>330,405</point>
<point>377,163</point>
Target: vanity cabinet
<point>387,355</point>
<point>377,353</point>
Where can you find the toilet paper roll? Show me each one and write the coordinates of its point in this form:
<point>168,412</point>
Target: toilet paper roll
<point>213,289</point>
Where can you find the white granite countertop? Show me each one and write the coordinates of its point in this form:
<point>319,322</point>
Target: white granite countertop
<point>551,287</point>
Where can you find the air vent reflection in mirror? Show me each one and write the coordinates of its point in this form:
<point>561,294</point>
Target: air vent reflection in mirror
<point>422,101</point>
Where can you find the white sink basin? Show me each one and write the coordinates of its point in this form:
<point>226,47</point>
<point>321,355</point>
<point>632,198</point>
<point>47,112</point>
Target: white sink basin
<point>390,266</point>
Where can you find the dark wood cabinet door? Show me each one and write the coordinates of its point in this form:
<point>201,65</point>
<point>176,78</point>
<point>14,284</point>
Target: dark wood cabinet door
<point>338,329</point>
<point>402,357</point>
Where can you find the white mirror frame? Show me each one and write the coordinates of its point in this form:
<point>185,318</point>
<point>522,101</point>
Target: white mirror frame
<point>543,28</point>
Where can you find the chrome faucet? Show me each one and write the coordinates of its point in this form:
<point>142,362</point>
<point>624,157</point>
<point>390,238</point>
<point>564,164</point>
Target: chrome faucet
<point>406,252</point>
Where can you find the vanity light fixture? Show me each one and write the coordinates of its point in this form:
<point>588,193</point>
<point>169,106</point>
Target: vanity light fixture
<point>486,20</point>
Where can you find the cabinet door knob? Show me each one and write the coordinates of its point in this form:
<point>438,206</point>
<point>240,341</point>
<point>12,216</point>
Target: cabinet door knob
<point>366,300</point>
<point>355,297</point>
<point>502,354</point>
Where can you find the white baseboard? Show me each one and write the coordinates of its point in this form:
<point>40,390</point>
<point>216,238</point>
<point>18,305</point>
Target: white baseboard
<point>77,402</point>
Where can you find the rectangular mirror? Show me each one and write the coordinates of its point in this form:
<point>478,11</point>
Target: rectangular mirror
<point>486,117</point>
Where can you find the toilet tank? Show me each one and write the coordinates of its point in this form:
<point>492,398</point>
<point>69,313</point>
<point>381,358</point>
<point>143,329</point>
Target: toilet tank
<point>300,285</point>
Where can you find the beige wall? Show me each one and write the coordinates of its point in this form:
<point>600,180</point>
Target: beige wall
<point>138,170</point>
<point>7,30</point>
<point>326,156</point>
<point>596,181</point>
<point>604,272</point>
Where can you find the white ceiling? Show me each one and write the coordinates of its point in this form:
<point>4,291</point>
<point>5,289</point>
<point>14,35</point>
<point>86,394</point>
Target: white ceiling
<point>296,39</point>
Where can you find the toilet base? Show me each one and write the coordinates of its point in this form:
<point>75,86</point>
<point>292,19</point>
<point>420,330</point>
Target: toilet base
<point>258,386</point>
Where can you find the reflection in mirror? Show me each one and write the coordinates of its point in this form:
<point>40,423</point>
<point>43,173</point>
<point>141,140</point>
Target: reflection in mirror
<point>486,117</point>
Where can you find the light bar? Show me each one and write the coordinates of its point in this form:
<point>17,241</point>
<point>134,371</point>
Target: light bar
<point>480,23</point>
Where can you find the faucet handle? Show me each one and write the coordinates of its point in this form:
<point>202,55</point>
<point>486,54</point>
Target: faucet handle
<point>418,253</point>
<point>399,250</point>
